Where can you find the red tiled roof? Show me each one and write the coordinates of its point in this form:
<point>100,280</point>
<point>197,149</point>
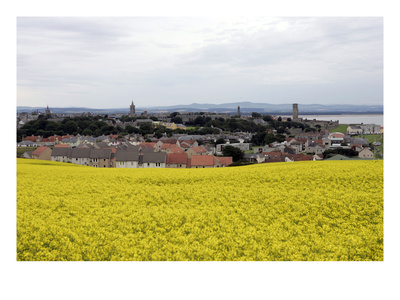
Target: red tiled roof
<point>302,140</point>
<point>273,154</point>
<point>39,151</point>
<point>302,157</point>
<point>45,140</point>
<point>190,142</point>
<point>30,138</point>
<point>54,138</point>
<point>169,141</point>
<point>225,160</point>
<point>176,149</point>
<point>165,146</point>
<point>199,149</point>
<point>202,160</point>
<point>176,158</point>
<point>336,135</point>
<point>271,160</point>
<point>147,145</point>
<point>184,145</point>
<point>62,146</point>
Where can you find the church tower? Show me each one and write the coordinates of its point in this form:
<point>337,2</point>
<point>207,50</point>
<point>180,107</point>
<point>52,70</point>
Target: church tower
<point>132,110</point>
<point>295,112</point>
<point>47,113</point>
<point>238,112</point>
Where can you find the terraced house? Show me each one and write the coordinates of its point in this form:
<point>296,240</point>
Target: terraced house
<point>153,160</point>
<point>61,154</point>
<point>126,159</point>
<point>81,156</point>
<point>101,158</point>
<point>176,160</point>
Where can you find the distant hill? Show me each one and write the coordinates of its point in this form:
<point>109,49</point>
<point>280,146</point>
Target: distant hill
<point>231,108</point>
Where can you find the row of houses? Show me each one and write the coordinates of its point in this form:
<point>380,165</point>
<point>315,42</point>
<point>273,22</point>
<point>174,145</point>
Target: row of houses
<point>315,143</point>
<point>365,129</point>
<point>278,156</point>
<point>128,157</point>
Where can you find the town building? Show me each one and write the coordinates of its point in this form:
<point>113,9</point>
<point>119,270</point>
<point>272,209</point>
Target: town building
<point>132,110</point>
<point>43,153</point>
<point>366,153</point>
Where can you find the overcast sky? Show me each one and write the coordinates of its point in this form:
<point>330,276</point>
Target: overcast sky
<point>108,62</point>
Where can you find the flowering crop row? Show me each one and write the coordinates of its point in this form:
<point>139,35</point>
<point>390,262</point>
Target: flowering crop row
<point>327,210</point>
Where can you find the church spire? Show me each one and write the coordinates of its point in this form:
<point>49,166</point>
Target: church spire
<point>132,109</point>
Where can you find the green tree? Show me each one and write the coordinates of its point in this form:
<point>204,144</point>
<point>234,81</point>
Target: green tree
<point>258,138</point>
<point>87,131</point>
<point>70,127</point>
<point>220,141</point>
<point>146,128</point>
<point>267,118</point>
<point>173,115</point>
<point>234,152</point>
<point>52,126</point>
<point>177,120</point>
<point>256,115</point>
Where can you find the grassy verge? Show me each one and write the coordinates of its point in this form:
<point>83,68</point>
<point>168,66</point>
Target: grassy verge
<point>341,128</point>
<point>22,150</point>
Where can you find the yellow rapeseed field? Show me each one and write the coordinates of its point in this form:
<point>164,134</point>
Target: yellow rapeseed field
<point>326,210</point>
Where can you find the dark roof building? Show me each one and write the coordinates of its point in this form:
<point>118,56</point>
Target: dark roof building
<point>61,151</point>
<point>154,157</point>
<point>81,153</point>
<point>100,153</point>
<point>124,155</point>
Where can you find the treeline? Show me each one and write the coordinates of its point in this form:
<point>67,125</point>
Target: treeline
<point>91,126</point>
<point>96,126</point>
<point>345,152</point>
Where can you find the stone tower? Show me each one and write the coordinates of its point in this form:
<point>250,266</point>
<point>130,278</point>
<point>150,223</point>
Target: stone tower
<point>132,109</point>
<point>47,111</point>
<point>295,112</point>
<point>238,112</point>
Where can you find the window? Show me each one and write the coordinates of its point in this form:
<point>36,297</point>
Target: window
<point>104,159</point>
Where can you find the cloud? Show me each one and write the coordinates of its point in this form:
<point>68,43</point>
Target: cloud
<point>181,59</point>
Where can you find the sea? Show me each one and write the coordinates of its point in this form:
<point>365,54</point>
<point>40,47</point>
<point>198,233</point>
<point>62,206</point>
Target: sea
<point>347,119</point>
